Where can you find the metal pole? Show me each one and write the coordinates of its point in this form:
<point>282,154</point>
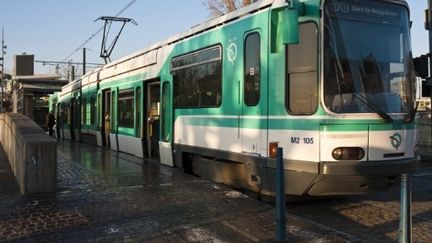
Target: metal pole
<point>430,37</point>
<point>84,61</point>
<point>430,51</point>
<point>280,197</point>
<point>72,73</point>
<point>405,226</point>
<point>2,75</point>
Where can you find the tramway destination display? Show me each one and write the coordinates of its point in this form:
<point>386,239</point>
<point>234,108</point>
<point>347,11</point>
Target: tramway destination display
<point>365,9</point>
<point>331,82</point>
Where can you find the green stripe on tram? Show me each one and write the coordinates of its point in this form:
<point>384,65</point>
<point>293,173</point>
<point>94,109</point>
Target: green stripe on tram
<point>329,125</point>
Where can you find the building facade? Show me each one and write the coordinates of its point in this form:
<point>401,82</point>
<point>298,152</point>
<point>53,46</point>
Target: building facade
<point>30,92</point>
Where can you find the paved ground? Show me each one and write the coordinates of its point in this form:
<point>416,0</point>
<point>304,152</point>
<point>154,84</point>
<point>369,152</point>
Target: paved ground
<point>106,196</point>
<point>375,217</point>
<point>425,153</point>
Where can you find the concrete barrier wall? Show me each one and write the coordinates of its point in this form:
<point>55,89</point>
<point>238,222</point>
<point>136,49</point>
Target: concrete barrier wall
<point>32,153</point>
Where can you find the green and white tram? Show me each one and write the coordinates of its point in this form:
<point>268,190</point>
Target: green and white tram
<point>331,82</point>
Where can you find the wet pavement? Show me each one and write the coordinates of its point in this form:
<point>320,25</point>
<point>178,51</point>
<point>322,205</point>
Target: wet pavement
<point>375,217</point>
<point>425,153</point>
<point>109,197</point>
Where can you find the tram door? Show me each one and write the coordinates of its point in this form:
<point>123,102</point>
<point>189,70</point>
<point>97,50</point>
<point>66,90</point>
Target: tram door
<point>106,123</point>
<point>152,119</point>
<point>253,123</point>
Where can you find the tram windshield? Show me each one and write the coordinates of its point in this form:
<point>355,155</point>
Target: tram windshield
<point>367,58</point>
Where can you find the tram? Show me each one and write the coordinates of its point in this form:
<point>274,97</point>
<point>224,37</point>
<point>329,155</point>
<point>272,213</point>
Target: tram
<point>329,81</point>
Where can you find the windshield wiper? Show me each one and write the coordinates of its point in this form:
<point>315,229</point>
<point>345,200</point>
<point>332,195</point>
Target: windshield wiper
<point>359,96</point>
<point>369,103</point>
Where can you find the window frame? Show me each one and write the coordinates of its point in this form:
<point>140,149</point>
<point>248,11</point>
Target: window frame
<point>166,112</point>
<point>130,96</point>
<point>245,69</point>
<point>196,53</point>
<point>315,70</point>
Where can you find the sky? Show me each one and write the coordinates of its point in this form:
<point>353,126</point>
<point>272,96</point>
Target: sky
<point>52,30</point>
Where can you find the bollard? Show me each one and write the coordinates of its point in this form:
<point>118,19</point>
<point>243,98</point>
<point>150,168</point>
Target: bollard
<point>405,226</point>
<point>280,197</point>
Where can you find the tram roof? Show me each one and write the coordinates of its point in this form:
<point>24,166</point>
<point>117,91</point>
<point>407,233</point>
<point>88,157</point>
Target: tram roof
<point>198,29</point>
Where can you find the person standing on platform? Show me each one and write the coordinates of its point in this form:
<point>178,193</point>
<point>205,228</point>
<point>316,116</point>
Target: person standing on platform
<point>50,122</point>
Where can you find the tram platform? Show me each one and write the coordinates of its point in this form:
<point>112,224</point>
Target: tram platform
<point>107,196</point>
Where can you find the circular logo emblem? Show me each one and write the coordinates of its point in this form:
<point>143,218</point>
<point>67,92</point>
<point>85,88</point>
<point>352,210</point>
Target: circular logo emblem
<point>232,52</point>
<point>396,140</point>
<point>340,7</point>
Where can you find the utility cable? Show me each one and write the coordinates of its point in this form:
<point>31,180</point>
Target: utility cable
<point>97,32</point>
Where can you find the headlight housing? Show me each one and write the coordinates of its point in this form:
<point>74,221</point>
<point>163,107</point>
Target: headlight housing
<point>348,153</point>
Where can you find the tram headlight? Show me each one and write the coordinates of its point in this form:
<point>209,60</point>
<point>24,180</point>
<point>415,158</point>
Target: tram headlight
<point>348,153</point>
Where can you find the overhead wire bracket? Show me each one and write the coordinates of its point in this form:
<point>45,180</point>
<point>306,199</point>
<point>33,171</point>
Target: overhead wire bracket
<point>106,50</point>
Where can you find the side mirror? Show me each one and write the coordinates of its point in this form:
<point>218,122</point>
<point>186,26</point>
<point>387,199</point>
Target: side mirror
<point>421,66</point>
<point>428,19</point>
<point>290,26</point>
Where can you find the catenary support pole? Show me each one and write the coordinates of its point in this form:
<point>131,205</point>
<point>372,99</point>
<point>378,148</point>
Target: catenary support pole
<point>2,70</point>
<point>430,36</point>
<point>280,197</point>
<point>405,226</point>
<point>428,23</point>
<point>84,61</point>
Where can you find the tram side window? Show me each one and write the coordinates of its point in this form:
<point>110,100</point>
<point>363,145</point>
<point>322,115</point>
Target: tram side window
<point>252,69</point>
<point>198,79</point>
<point>302,76</point>
<point>126,108</point>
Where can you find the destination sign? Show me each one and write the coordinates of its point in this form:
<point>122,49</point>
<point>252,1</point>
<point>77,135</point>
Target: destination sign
<point>363,9</point>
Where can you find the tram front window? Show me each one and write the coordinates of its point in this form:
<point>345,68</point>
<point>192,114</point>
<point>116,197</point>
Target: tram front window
<point>367,58</point>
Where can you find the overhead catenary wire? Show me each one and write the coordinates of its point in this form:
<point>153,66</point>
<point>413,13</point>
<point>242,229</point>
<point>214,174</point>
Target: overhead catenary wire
<point>97,32</point>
